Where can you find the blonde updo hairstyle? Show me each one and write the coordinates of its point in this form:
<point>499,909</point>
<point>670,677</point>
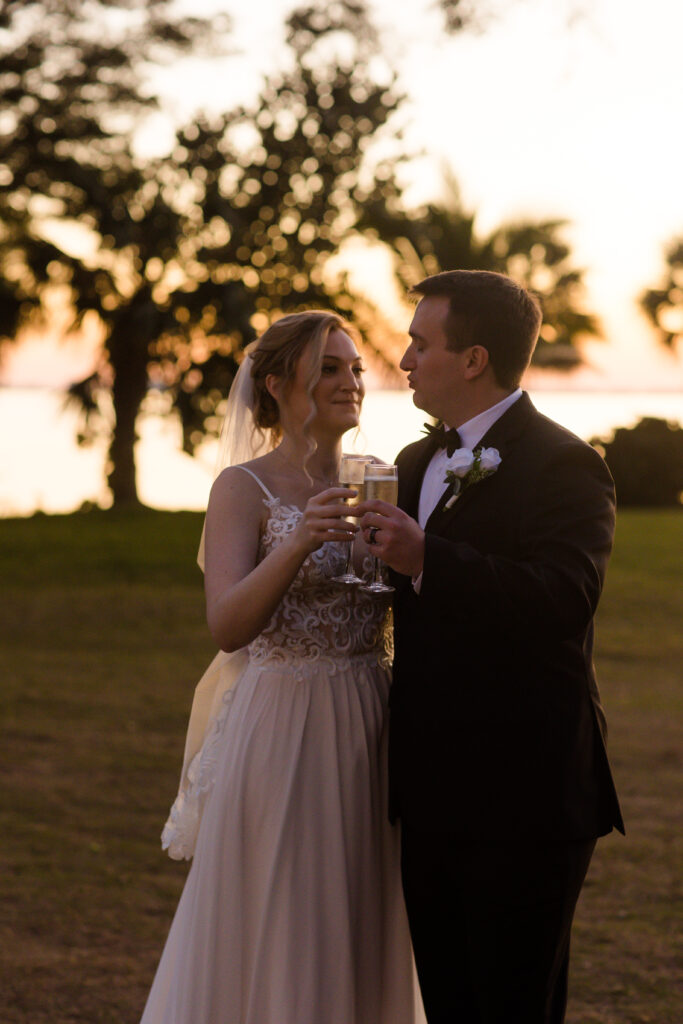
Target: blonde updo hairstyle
<point>279,350</point>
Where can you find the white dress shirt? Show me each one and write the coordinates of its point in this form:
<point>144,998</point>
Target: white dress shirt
<point>434,481</point>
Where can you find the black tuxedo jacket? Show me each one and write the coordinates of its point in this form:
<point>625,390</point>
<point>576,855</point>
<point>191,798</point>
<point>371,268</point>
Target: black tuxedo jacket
<point>496,729</point>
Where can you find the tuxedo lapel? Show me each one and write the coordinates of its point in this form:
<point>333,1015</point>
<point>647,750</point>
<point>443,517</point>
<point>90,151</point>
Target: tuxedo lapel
<point>410,477</point>
<point>441,514</point>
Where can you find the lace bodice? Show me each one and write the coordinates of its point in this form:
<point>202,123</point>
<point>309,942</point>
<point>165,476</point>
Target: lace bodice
<point>318,618</point>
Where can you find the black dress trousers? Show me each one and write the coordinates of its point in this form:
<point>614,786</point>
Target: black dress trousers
<point>490,923</point>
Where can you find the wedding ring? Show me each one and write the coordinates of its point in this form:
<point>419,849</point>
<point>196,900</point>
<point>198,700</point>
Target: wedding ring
<point>373,534</point>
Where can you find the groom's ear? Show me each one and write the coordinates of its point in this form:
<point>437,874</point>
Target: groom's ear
<point>476,361</point>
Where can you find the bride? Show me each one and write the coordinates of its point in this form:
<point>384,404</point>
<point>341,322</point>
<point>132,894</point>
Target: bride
<point>292,911</point>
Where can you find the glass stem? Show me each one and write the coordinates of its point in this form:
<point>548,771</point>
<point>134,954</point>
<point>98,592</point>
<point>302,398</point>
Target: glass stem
<point>347,564</point>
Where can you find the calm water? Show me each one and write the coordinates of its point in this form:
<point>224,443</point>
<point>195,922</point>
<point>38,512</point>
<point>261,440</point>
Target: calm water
<point>41,467</point>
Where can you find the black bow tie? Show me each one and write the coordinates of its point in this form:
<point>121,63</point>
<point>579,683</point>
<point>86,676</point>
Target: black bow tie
<point>442,438</point>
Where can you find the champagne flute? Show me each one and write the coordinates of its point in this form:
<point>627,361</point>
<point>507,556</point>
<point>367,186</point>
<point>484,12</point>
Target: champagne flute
<point>381,483</point>
<point>352,475</point>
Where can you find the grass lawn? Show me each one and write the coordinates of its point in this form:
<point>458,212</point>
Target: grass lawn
<point>103,639</point>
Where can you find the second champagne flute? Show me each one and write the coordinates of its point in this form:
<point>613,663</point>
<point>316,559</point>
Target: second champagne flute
<point>381,484</point>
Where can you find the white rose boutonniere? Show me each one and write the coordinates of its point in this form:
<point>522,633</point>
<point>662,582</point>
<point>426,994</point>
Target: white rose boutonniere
<point>467,467</point>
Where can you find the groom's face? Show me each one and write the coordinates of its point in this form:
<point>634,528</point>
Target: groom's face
<point>435,373</point>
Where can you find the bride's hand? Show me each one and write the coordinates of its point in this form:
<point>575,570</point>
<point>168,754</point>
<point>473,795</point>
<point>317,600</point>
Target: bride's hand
<point>323,520</point>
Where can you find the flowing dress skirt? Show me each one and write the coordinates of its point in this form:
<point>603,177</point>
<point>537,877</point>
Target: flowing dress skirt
<point>292,912</point>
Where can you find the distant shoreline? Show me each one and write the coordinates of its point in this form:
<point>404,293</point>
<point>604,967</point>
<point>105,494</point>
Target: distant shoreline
<point>42,468</point>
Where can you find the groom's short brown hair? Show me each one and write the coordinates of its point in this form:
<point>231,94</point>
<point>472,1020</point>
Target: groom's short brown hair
<point>490,310</point>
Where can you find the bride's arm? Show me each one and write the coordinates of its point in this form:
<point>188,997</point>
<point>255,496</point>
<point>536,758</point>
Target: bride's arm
<point>241,596</point>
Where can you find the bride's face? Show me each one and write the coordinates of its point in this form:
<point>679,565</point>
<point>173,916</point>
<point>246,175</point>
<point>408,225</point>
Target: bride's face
<point>338,393</point>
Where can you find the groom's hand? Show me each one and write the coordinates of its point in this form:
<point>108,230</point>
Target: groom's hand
<point>393,536</point>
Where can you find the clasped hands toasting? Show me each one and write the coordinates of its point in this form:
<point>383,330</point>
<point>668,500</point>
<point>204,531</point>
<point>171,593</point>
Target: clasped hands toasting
<point>390,534</point>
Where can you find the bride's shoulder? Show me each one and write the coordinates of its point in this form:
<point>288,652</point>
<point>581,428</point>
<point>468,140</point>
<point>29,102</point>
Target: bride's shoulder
<point>246,482</point>
<point>259,468</point>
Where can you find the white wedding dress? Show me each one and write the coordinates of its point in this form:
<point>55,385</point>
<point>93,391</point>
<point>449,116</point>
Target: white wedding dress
<point>292,912</point>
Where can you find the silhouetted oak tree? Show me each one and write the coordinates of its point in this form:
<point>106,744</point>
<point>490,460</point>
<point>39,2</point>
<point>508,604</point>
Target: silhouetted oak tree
<point>184,254</point>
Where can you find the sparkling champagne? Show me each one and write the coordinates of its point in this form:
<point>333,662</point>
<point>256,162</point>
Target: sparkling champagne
<point>381,488</point>
<point>352,476</point>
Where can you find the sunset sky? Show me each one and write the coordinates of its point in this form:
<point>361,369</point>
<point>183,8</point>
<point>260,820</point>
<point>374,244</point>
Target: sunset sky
<point>557,108</point>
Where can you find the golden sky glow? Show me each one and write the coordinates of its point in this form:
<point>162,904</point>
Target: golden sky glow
<point>558,108</point>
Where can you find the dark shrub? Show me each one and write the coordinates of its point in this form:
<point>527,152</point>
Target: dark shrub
<point>646,462</point>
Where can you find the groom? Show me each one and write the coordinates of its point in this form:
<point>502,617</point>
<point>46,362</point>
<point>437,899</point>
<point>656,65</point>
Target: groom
<point>498,768</point>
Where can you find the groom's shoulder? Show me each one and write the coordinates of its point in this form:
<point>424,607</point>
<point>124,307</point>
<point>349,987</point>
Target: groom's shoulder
<point>552,431</point>
<point>551,440</point>
<point>555,434</point>
<point>412,451</point>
